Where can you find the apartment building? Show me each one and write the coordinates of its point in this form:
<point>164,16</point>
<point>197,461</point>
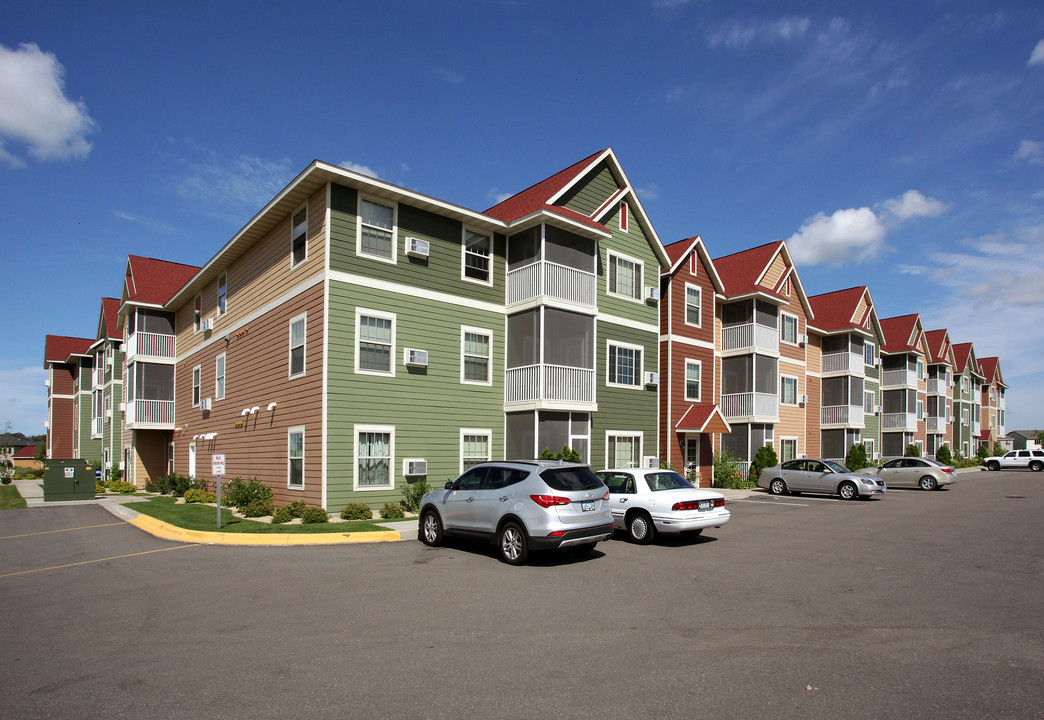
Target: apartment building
<point>903,385</point>
<point>938,407</point>
<point>68,414</point>
<point>104,384</point>
<point>994,403</point>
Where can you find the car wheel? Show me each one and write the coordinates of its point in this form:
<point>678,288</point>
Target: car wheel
<point>778,487</point>
<point>927,483</point>
<point>431,528</point>
<point>993,465</point>
<point>848,491</point>
<point>1036,466</point>
<point>641,529</point>
<point>512,544</point>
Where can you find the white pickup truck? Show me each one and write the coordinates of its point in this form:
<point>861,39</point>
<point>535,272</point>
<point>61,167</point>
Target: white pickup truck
<point>1032,459</point>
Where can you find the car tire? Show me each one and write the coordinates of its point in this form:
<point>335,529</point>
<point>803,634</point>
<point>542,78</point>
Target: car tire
<point>512,543</point>
<point>1036,466</point>
<point>927,483</point>
<point>640,528</point>
<point>848,491</point>
<point>430,531</point>
<point>778,487</point>
<point>993,465</point>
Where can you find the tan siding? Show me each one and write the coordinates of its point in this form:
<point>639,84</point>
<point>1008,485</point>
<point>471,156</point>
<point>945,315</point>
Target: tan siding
<point>813,389</point>
<point>860,310</point>
<point>775,272</point>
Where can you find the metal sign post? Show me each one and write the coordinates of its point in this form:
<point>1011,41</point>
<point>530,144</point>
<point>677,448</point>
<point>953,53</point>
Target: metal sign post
<point>217,468</point>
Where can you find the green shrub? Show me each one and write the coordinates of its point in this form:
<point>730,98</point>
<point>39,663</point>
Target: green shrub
<point>355,511</point>
<point>314,514</point>
<point>998,449</point>
<point>392,510</point>
<point>116,474</point>
<point>99,486</point>
<point>282,514</point>
<point>173,484</point>
<point>982,453</point>
<point>568,454</point>
<point>195,495</point>
<point>763,458</point>
<point>240,493</point>
<point>912,450</point>
<point>856,458</point>
<point>7,479</point>
<point>727,473</point>
<point>118,486</point>
<point>943,455</point>
<point>412,492</point>
<point>257,507</point>
<point>296,508</point>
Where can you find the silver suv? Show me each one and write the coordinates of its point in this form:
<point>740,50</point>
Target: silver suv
<point>521,506</point>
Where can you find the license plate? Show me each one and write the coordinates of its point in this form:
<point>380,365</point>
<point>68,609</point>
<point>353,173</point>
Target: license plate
<point>587,506</point>
<point>706,504</point>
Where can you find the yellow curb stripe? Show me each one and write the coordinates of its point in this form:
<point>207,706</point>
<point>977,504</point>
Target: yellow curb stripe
<point>160,529</point>
<point>88,562</point>
<point>48,532</point>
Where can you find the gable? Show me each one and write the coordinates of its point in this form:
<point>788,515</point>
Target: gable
<point>774,272</point>
<point>589,194</point>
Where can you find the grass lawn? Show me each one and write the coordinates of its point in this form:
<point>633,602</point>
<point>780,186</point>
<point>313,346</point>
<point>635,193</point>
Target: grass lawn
<point>193,516</point>
<point>10,498</point>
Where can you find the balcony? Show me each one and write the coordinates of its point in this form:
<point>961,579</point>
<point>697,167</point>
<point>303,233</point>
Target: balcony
<point>846,416</point>
<point>554,281</point>
<point>753,407</point>
<point>150,415</point>
<point>935,424</point>
<point>891,379</point>
<point>1002,403</point>
<point>937,386</point>
<point>906,422</point>
<point>97,426</point>
<point>98,375</point>
<point>751,337</point>
<point>844,363</point>
<point>550,386</point>
<point>150,345</point>
<point>976,427</point>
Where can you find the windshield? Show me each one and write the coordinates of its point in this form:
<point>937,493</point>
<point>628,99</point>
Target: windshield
<point>666,481</point>
<point>835,467</point>
<point>574,478</point>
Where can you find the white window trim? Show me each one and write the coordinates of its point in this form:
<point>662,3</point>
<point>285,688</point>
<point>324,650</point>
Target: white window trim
<point>197,312</point>
<point>359,313</point>
<point>290,431</point>
<point>797,328</point>
<point>390,430</point>
<point>394,229</point>
<point>464,256</point>
<point>197,385</point>
<point>302,206</point>
<point>639,276</point>
<point>626,434</point>
<point>639,367</point>
<point>487,433</point>
<point>303,317</point>
<point>464,329</point>
<point>872,349</point>
<point>797,390</point>
<point>223,358</point>
<point>872,396</point>
<point>699,292</point>
<point>788,438</point>
<point>222,280</point>
<point>699,365</point>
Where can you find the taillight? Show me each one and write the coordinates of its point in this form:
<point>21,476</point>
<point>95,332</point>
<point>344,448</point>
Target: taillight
<point>546,501</point>
<point>686,505</point>
<point>948,471</point>
<point>720,502</point>
<point>606,496</point>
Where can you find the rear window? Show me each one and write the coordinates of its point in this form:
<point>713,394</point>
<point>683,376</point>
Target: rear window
<point>577,478</point>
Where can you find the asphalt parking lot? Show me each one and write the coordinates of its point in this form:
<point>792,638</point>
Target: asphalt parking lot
<point>915,604</point>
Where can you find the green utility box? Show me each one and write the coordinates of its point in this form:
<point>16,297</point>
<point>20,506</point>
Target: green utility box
<point>68,480</point>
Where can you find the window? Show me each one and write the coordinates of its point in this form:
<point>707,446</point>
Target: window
<point>788,328</point>
<point>693,370</point>
<point>197,312</point>
<point>788,390</point>
<point>625,365</point>
<point>693,305</point>
<point>222,293</point>
<point>623,450</point>
<point>692,452</point>
<point>476,257</point>
<point>219,377</point>
<point>625,276</point>
<point>376,231</point>
<point>869,353</point>
<point>474,447</point>
<point>920,370</point>
<point>297,346</point>
<point>374,452</point>
<point>195,386</point>
<point>623,217</point>
<point>787,449</point>
<point>868,443</point>
<point>295,457</point>
<point>475,356</point>
<point>868,403</point>
<point>920,410</point>
<point>375,347</point>
<point>299,236</point>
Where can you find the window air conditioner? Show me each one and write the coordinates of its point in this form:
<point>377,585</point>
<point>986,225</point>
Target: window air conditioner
<point>803,399</point>
<point>877,409</point>
<point>206,324</point>
<point>205,404</point>
<point>123,407</point>
<point>652,378</point>
<point>650,461</point>
<point>412,356</point>
<point>803,339</point>
<point>417,247</point>
<point>652,293</point>
<point>414,466</point>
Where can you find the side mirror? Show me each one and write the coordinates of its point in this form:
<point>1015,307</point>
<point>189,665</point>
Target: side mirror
<point>448,485</point>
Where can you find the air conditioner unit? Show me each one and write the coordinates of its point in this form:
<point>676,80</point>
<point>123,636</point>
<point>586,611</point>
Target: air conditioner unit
<point>414,466</point>
<point>803,339</point>
<point>652,293</point>
<point>123,407</point>
<point>206,324</point>
<point>803,400</point>
<point>47,383</point>
<point>412,356</point>
<point>205,404</point>
<point>108,413</point>
<point>417,247</point>
<point>652,378</point>
<point>650,461</point>
<point>877,409</point>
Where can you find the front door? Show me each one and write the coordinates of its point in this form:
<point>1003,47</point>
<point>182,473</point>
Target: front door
<point>192,460</point>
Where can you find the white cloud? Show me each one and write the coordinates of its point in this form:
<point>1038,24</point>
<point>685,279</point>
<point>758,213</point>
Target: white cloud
<point>154,225</point>
<point>453,78</point>
<point>1031,151</point>
<point>357,168</point>
<point>1037,56</point>
<point>34,109</point>
<point>913,204</point>
<point>498,197</point>
<point>737,34</point>
<point>649,192</point>
<point>233,188</point>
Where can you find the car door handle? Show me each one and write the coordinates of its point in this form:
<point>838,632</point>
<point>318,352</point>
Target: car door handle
<point>468,499</point>
<point>623,500</point>
<point>505,498</point>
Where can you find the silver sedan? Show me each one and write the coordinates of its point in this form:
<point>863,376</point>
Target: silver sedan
<point>820,476</point>
<point>914,472</point>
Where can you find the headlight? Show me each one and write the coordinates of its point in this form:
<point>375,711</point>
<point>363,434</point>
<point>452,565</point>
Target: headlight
<point>866,481</point>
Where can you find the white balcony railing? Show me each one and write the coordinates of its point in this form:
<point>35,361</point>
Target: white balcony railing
<point>548,279</point>
<point>899,378</point>
<point>752,405</point>
<point>151,345</point>
<point>99,375</point>
<point>97,426</point>
<point>899,421</point>
<point>935,424</point>
<point>937,386</point>
<point>150,412</point>
<point>850,415</point>
<point>844,362</point>
<point>556,383</point>
<point>1002,403</point>
<point>750,337</point>
<point>976,428</point>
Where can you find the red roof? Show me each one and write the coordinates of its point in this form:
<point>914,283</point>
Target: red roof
<point>938,341</point>
<point>834,310</point>
<point>897,332</point>
<point>988,368</point>
<point>535,198</point>
<point>677,250</point>
<point>740,271</point>
<point>154,282</point>
<point>700,417</point>
<point>111,312</point>
<point>29,451</point>
<point>58,348</point>
<point>961,353</point>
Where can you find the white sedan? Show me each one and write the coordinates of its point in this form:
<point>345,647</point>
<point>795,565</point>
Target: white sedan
<point>648,501</point>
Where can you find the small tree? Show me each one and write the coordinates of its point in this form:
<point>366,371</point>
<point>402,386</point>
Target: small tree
<point>982,453</point>
<point>856,458</point>
<point>943,455</point>
<point>726,471</point>
<point>763,458</point>
<point>998,449</point>
<point>41,451</point>
<point>568,454</point>
<point>912,450</point>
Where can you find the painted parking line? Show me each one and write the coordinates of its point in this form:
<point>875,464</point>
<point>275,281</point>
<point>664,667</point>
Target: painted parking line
<point>778,503</point>
<point>88,562</point>
<point>49,532</point>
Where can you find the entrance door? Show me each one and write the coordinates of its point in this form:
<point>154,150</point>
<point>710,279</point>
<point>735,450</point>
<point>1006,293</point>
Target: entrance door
<point>192,460</point>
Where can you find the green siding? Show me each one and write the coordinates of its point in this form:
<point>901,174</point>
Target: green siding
<point>624,409</point>
<point>633,244</point>
<point>589,195</point>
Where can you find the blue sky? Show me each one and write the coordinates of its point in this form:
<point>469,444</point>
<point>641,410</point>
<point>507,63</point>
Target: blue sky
<point>898,145</point>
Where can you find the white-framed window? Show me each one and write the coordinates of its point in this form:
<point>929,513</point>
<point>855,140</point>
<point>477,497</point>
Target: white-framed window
<point>920,410</point>
<point>868,402</point>
<point>868,444</point>
<point>625,365</point>
<point>623,449</point>
<point>375,342</point>
<point>964,449</point>
<point>788,390</point>
<point>295,452</point>
<point>788,328</point>
<point>964,416</point>
<point>222,293</point>
<point>299,236</point>
<point>623,217</point>
<point>197,312</point>
<point>374,457</point>
<point>475,447</point>
<point>920,447</point>
<point>376,233</point>
<point>219,377</point>
<point>298,326</point>
<point>625,276</point>
<point>476,257</point>
<point>920,370</point>
<point>869,353</point>
<point>787,449</point>
<point>693,379</point>
<point>693,305</point>
<point>196,372</point>
<point>476,347</point>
